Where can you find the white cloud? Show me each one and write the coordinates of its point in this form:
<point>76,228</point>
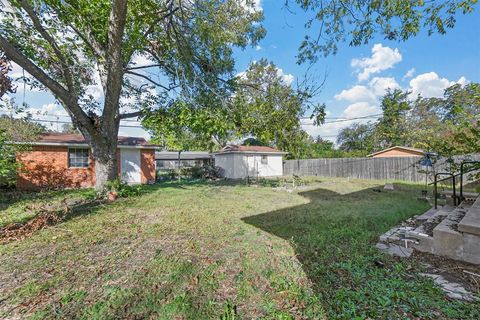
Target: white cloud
<point>140,61</point>
<point>382,58</point>
<point>462,81</point>
<point>258,48</point>
<point>430,85</point>
<point>379,85</point>
<point>330,130</point>
<point>360,109</point>
<point>409,74</point>
<point>48,109</point>
<point>356,94</point>
<point>253,5</point>
<point>286,77</point>
<point>327,131</point>
<point>96,89</point>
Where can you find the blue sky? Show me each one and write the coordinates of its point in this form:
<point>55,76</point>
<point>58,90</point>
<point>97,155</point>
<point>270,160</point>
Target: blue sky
<point>356,76</point>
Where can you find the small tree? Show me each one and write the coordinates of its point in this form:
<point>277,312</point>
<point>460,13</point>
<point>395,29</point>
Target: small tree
<point>392,128</point>
<point>18,130</point>
<point>357,137</point>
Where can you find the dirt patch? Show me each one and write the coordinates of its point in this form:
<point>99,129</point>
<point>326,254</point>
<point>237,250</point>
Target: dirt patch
<point>46,216</point>
<point>456,271</point>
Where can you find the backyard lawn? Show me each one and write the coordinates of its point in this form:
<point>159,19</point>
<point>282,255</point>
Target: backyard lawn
<point>222,251</point>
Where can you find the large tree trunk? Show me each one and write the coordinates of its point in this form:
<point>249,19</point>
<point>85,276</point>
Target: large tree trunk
<point>105,168</point>
<point>103,144</point>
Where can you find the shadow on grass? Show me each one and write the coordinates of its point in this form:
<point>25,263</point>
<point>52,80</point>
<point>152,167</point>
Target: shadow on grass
<point>334,235</point>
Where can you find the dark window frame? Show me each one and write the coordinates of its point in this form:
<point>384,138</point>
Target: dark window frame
<point>264,159</point>
<point>78,159</point>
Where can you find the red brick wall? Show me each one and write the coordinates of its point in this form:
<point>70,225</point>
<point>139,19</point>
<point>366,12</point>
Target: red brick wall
<point>147,165</point>
<point>47,167</point>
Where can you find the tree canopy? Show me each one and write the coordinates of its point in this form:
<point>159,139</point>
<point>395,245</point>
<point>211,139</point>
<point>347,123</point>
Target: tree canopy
<point>138,54</point>
<point>359,21</point>
<point>449,125</point>
<point>263,105</point>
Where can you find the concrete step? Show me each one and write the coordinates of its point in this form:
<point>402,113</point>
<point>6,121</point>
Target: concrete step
<point>423,234</point>
<point>430,224</point>
<point>471,221</point>
<point>431,212</point>
<point>454,244</point>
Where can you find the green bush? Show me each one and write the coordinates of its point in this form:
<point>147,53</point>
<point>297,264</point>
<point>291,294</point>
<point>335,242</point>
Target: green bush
<point>167,174</point>
<point>123,189</point>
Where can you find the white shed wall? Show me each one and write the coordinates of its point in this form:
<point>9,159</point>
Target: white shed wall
<point>241,165</point>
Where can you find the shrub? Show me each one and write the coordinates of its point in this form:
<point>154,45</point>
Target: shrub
<point>123,189</point>
<point>168,174</point>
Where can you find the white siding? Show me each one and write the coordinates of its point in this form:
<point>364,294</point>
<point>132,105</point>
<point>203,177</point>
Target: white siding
<point>241,165</point>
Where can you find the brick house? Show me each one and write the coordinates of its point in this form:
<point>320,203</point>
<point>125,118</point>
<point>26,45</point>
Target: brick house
<point>58,160</point>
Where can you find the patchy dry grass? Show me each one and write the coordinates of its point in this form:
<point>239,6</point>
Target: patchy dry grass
<point>203,251</point>
<point>16,207</point>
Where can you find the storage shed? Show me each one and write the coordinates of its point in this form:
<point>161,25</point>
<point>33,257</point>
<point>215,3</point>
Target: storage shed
<point>240,162</point>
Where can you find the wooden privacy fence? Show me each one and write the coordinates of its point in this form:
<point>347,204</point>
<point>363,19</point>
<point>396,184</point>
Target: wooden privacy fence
<point>398,168</point>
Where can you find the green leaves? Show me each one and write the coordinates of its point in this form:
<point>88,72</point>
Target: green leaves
<point>358,22</point>
<point>263,106</point>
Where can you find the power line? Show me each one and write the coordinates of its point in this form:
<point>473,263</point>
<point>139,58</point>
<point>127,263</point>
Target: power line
<point>141,127</point>
<point>344,119</point>
<point>336,119</point>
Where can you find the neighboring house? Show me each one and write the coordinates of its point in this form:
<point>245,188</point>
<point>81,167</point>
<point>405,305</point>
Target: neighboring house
<point>59,160</point>
<point>397,151</point>
<point>185,159</point>
<point>239,162</point>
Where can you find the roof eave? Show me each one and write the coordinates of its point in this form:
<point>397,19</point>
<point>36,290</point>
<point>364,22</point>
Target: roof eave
<point>82,145</point>
<point>255,152</point>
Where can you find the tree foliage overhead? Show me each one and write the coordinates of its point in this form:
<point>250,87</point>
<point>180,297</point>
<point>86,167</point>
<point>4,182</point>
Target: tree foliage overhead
<point>6,83</point>
<point>359,21</point>
<point>263,105</point>
<point>140,53</point>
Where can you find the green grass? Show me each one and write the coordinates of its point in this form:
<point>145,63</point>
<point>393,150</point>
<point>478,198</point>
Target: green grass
<point>226,251</point>
<point>20,207</point>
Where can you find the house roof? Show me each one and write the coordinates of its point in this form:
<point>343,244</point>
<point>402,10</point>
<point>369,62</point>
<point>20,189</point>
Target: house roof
<point>250,149</point>
<point>184,155</point>
<point>68,139</point>
<point>408,149</point>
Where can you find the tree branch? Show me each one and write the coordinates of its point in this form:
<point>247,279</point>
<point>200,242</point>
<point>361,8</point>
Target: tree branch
<point>150,80</point>
<point>116,28</point>
<point>69,101</point>
<point>130,115</point>
<point>143,67</point>
<point>56,49</point>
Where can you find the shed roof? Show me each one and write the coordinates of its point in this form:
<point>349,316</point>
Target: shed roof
<point>407,149</point>
<point>184,155</point>
<point>250,149</point>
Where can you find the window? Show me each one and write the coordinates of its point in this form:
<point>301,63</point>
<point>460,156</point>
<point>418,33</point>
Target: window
<point>78,158</point>
<point>264,159</point>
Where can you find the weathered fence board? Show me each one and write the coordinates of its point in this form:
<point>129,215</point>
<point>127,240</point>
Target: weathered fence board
<point>398,168</point>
